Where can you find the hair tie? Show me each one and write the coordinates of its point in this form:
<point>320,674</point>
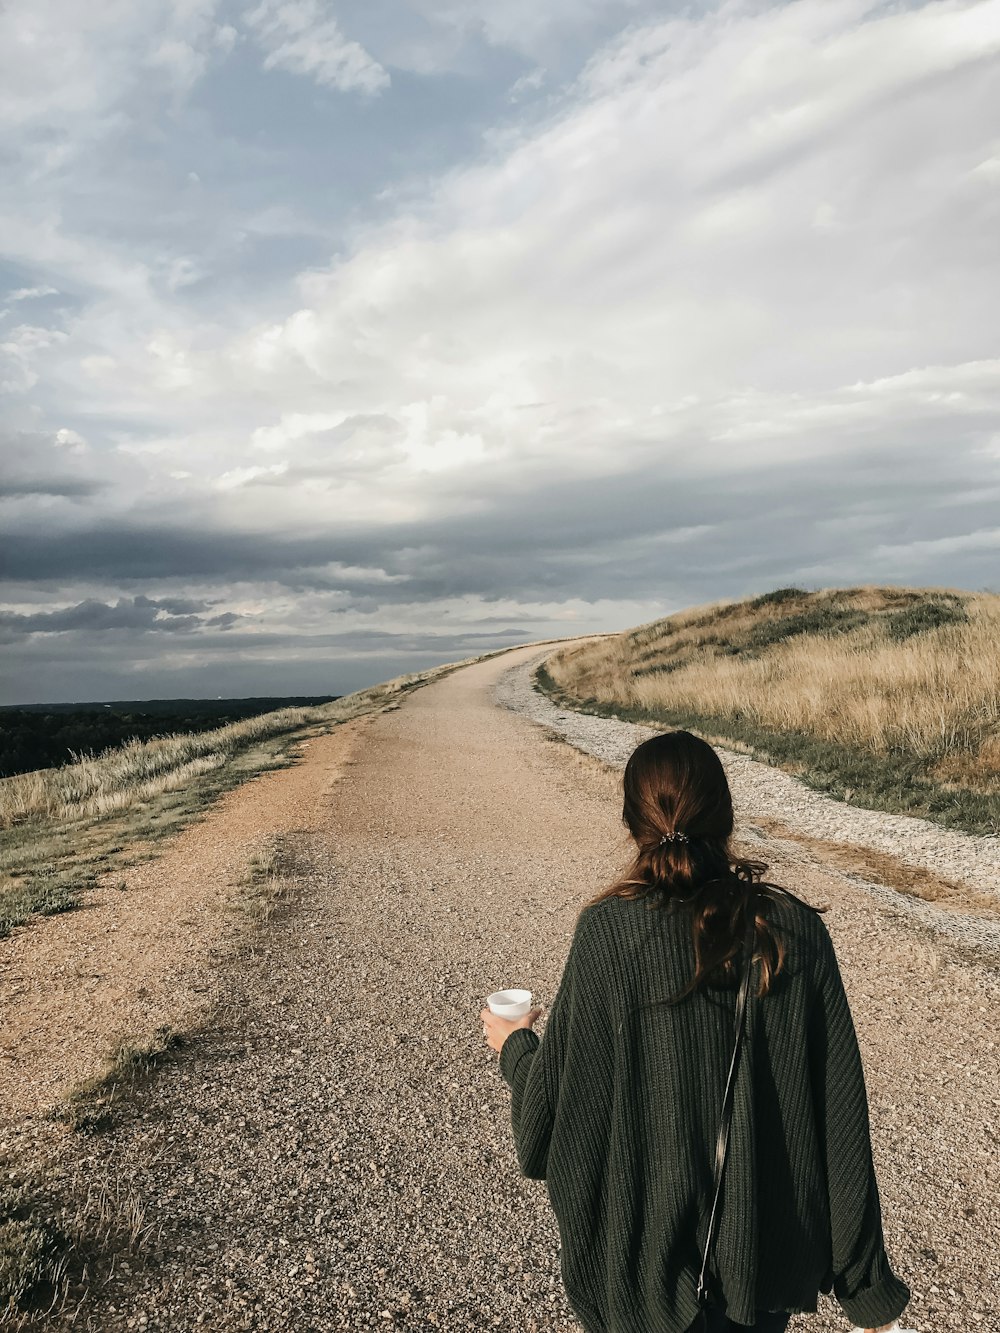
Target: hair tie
<point>675,836</point>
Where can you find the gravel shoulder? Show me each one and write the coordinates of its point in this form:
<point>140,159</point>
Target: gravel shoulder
<point>335,1150</point>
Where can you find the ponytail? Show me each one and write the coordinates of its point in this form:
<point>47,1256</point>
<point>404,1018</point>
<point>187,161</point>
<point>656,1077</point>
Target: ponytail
<point>679,811</point>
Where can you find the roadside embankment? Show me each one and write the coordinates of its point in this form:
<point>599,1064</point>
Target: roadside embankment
<point>946,880</point>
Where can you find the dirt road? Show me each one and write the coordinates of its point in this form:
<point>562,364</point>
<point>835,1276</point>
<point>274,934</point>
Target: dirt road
<point>336,1153</point>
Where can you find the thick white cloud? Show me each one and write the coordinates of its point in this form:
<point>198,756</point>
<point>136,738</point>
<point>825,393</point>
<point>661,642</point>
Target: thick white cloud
<point>730,211</point>
<point>66,66</point>
<point>18,354</point>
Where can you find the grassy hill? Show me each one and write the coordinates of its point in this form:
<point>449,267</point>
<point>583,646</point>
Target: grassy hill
<point>885,697</point>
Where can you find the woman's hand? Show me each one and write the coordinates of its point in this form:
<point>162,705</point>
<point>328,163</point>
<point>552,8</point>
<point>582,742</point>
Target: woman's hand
<point>496,1030</point>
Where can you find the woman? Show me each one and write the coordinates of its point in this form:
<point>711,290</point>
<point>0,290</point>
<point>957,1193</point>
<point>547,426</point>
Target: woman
<point>617,1107</point>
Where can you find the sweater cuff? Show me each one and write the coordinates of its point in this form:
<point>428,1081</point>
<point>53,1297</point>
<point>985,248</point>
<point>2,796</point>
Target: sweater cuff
<point>522,1041</point>
<point>878,1304</point>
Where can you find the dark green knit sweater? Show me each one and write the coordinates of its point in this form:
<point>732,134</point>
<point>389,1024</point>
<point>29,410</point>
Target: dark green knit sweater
<point>619,1114</point>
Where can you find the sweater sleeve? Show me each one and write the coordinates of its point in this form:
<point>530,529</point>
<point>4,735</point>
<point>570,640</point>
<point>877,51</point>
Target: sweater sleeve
<point>864,1285</point>
<point>532,1066</point>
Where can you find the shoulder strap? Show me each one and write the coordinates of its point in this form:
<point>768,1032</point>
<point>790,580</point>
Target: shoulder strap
<point>727,1101</point>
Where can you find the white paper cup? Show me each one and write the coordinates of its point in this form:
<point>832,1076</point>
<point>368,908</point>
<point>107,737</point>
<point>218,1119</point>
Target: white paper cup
<point>509,1003</point>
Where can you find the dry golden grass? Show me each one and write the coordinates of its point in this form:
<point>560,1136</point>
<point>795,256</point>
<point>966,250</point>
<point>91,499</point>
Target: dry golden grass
<point>267,885</point>
<point>906,674</point>
<point>139,770</point>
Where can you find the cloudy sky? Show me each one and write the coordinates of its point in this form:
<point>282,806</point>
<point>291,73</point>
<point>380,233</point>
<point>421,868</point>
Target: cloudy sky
<point>338,339</point>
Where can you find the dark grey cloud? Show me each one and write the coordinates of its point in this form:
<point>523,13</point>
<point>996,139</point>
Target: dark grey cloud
<point>176,606</point>
<point>170,615</point>
<point>93,668</point>
<point>33,464</point>
<point>660,531</point>
<point>64,487</point>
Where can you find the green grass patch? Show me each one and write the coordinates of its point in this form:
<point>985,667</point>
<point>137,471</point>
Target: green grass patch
<point>925,616</point>
<point>777,597</point>
<point>57,1228</point>
<point>89,1105</point>
<point>33,1252</point>
<point>815,620</point>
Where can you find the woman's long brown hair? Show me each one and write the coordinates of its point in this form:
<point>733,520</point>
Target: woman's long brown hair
<point>675,782</point>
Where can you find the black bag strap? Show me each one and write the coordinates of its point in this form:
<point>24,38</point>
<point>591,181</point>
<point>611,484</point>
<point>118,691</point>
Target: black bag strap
<point>727,1101</point>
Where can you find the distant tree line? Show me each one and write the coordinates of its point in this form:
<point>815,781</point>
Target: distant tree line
<point>48,735</point>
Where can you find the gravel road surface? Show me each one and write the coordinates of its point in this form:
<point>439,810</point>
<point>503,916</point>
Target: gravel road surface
<point>336,1153</point>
